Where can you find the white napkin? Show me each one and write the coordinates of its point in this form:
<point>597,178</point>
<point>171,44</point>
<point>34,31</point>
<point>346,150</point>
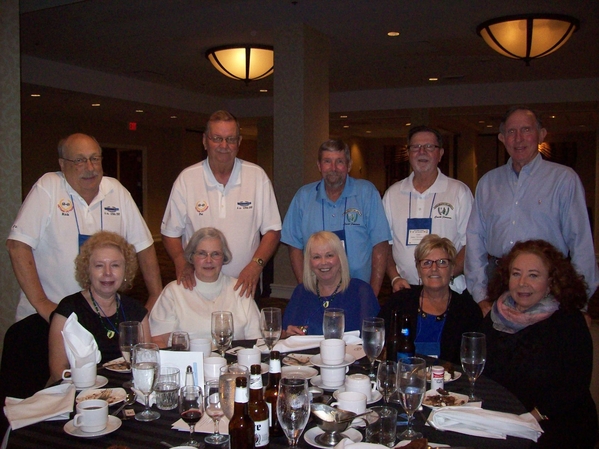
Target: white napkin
<point>140,398</point>
<point>80,345</point>
<point>205,425</point>
<point>347,443</point>
<point>485,423</point>
<point>301,342</point>
<point>50,404</point>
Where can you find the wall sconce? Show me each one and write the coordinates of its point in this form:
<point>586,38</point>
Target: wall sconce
<point>243,62</point>
<point>528,36</point>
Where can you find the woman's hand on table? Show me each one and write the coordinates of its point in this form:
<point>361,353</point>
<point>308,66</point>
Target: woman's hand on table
<point>293,330</point>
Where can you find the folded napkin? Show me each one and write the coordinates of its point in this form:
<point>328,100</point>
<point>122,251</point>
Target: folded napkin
<point>80,345</point>
<point>205,425</point>
<point>485,423</point>
<point>50,404</point>
<point>301,342</point>
<point>347,443</point>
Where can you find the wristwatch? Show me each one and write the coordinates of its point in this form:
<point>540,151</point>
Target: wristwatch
<point>258,261</point>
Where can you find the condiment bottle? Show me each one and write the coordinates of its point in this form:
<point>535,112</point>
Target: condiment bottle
<point>189,376</point>
<point>241,426</point>
<point>258,410</point>
<point>437,377</point>
<point>271,393</point>
<point>406,347</point>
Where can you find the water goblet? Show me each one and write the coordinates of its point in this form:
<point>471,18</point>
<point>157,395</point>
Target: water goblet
<point>293,407</point>
<point>473,354</point>
<point>411,385</point>
<point>130,334</point>
<point>191,408</point>
<point>222,330</point>
<point>212,407</point>
<point>373,338</point>
<point>145,364</point>
<point>387,379</point>
<point>270,326</point>
<point>333,323</point>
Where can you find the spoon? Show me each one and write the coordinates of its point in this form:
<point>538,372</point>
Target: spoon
<point>352,417</point>
<point>129,400</point>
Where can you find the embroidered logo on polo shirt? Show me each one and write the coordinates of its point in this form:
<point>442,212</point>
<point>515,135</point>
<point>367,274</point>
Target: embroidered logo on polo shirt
<point>112,210</point>
<point>244,205</point>
<point>202,206</point>
<point>443,210</point>
<point>352,215</point>
<point>65,206</point>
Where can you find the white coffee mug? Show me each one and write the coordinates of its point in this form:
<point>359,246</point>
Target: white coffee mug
<point>360,383</point>
<point>92,415</point>
<point>333,376</point>
<point>82,377</point>
<point>332,351</point>
<point>351,401</point>
<point>203,345</point>
<point>249,356</point>
<point>212,367</point>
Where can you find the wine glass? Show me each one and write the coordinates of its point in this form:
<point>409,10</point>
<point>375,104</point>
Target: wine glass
<point>473,354</point>
<point>373,339</point>
<point>191,407</point>
<point>213,409</point>
<point>333,323</point>
<point>411,385</point>
<point>293,407</point>
<point>130,333</point>
<point>179,341</point>
<point>270,326</point>
<point>145,364</point>
<point>222,330</point>
<point>228,374</point>
<point>387,379</point>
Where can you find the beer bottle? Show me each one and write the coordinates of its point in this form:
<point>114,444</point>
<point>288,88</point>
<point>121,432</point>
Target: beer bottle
<point>258,410</point>
<point>271,394</point>
<point>241,426</point>
<point>392,343</point>
<point>406,346</point>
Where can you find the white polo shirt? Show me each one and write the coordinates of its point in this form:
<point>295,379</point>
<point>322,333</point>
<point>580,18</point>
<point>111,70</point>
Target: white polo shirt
<point>50,220</point>
<point>243,210</point>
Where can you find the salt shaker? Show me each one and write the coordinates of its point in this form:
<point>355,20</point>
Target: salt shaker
<point>437,377</point>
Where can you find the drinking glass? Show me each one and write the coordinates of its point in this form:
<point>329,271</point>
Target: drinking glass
<point>473,354</point>
<point>270,326</point>
<point>191,408</point>
<point>387,379</point>
<point>213,409</point>
<point>373,338</point>
<point>167,387</point>
<point>179,341</point>
<point>293,407</point>
<point>130,334</point>
<point>145,364</point>
<point>411,385</point>
<point>333,323</point>
<point>228,374</point>
<point>222,330</point>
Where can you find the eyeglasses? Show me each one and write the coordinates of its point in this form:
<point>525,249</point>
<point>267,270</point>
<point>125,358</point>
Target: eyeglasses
<point>427,263</point>
<point>214,255</point>
<point>230,140</point>
<point>427,146</point>
<point>83,160</point>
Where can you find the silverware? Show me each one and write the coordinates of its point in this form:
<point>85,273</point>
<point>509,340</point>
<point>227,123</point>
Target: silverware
<point>129,400</point>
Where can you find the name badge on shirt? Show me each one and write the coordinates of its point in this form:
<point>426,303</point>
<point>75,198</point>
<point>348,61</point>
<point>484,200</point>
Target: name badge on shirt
<point>418,228</point>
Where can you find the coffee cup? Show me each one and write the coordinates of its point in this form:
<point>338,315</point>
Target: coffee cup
<point>249,357</point>
<point>92,415</point>
<point>351,401</point>
<point>333,376</point>
<point>360,383</point>
<point>212,367</point>
<point>82,377</point>
<point>202,345</point>
<point>332,351</point>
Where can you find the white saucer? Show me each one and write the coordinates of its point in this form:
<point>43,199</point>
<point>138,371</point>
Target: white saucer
<point>317,382</point>
<point>113,424</point>
<point>100,382</point>
<point>376,395</point>
<point>305,372</point>
<point>310,436</point>
<point>317,360</point>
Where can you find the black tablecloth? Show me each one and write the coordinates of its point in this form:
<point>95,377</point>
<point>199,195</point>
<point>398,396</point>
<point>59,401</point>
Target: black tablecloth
<point>140,435</point>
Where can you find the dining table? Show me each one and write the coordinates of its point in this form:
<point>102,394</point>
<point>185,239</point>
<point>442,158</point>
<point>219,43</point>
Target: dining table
<point>147,435</point>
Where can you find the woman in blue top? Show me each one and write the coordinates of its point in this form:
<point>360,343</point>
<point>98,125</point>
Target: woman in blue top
<point>327,284</point>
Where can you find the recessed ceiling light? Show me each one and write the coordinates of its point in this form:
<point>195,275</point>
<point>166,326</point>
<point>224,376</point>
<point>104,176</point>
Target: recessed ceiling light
<point>393,33</point>
<point>263,90</point>
<point>173,116</point>
<point>481,121</point>
<point>408,124</point>
<point>343,116</point>
<point>346,126</point>
<point>35,95</point>
<point>552,116</point>
<point>433,79</point>
<point>139,110</point>
<point>489,126</point>
<point>95,105</point>
<point>368,132</point>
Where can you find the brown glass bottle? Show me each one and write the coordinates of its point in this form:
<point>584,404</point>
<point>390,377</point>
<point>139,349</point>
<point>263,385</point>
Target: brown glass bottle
<point>241,426</point>
<point>258,410</point>
<point>271,394</point>
<point>406,347</point>
<point>392,338</point>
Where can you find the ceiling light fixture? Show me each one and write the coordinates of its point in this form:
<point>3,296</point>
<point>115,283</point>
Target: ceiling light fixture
<point>243,62</point>
<point>528,36</point>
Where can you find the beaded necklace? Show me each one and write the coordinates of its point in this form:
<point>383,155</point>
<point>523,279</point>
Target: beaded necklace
<point>110,333</point>
<point>438,317</point>
<point>326,302</point>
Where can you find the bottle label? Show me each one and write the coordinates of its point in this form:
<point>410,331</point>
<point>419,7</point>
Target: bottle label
<point>274,366</point>
<point>405,332</point>
<point>261,432</point>
<point>269,405</point>
<point>256,382</point>
<point>241,395</point>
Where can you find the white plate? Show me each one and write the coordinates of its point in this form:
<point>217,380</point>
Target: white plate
<point>113,424</point>
<point>447,376</point>
<point>310,436</point>
<point>460,399</point>
<point>317,360</point>
<point>117,395</point>
<point>406,442</point>
<point>305,372</point>
<point>305,359</point>
<point>117,365</point>
<point>317,382</point>
<point>100,382</point>
<point>376,395</point>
